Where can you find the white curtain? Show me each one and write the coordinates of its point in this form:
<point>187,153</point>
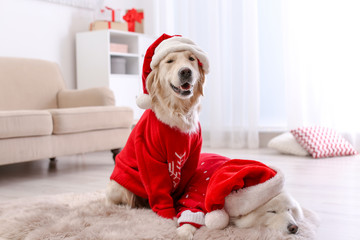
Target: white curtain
<point>228,32</point>
<point>322,64</point>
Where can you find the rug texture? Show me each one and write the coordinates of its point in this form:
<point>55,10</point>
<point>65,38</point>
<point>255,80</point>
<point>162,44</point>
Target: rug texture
<point>85,216</point>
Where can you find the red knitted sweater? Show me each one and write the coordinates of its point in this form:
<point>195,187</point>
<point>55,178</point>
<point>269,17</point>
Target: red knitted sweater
<point>157,162</point>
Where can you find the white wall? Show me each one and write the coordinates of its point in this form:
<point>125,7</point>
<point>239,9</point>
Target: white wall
<point>45,30</point>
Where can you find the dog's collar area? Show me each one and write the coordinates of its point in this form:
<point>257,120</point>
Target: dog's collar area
<point>184,90</point>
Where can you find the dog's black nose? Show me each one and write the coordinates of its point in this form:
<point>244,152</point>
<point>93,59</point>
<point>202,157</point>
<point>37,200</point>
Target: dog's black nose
<point>185,73</point>
<point>292,228</point>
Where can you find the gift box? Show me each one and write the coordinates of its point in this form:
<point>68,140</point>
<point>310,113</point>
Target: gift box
<point>110,15</point>
<point>101,25</point>
<point>134,18</point>
<point>132,21</point>
<point>119,48</point>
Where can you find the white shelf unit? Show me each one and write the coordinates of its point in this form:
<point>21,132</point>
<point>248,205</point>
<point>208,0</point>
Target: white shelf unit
<point>93,64</point>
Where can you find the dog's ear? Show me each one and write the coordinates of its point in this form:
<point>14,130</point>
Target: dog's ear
<point>201,81</point>
<point>298,212</point>
<point>151,82</point>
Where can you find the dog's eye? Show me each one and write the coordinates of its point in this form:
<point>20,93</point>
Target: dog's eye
<point>170,61</point>
<point>272,212</point>
<point>191,59</point>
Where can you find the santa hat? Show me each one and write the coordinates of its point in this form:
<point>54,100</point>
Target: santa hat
<point>158,50</point>
<point>237,188</point>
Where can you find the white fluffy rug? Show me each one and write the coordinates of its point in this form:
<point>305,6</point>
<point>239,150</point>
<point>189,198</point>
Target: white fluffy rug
<point>84,216</point>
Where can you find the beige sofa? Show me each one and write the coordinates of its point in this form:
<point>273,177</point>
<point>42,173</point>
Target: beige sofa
<point>40,118</point>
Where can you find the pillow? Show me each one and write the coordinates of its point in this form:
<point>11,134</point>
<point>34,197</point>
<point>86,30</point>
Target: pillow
<point>322,142</point>
<point>287,144</point>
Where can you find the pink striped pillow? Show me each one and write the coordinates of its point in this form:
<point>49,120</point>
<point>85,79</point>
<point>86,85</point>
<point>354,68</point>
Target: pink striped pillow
<point>323,142</point>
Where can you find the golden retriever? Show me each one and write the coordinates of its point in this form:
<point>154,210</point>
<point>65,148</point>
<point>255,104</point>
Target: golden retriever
<point>175,86</point>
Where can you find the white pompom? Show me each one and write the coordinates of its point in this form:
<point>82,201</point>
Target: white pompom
<point>217,219</point>
<point>143,101</point>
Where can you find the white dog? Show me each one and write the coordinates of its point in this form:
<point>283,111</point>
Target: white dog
<point>163,150</point>
<point>281,213</point>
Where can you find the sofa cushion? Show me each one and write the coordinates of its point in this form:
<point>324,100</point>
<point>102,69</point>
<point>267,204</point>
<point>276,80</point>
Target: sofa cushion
<point>25,123</point>
<point>29,84</point>
<point>72,120</point>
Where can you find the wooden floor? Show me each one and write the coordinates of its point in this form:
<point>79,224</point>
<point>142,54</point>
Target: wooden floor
<point>330,187</point>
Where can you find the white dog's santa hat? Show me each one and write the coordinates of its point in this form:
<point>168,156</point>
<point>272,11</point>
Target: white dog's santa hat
<point>237,189</point>
<point>164,45</point>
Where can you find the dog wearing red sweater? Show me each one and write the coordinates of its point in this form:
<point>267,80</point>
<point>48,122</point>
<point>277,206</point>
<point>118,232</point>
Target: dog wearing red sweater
<point>163,150</point>
<point>245,193</point>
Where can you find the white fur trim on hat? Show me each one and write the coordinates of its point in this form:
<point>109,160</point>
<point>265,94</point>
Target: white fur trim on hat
<point>176,44</point>
<point>245,200</point>
<point>192,217</point>
<point>143,101</point>
<point>217,219</point>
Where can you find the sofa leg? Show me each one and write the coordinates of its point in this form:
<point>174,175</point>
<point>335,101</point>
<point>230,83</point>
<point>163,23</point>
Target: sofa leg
<point>115,152</point>
<point>52,164</point>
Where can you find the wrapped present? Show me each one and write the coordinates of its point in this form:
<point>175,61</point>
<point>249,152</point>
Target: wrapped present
<point>110,15</point>
<point>119,48</point>
<point>101,25</point>
<point>134,18</point>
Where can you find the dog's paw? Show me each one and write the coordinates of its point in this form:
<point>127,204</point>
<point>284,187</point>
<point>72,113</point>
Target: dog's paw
<point>185,232</point>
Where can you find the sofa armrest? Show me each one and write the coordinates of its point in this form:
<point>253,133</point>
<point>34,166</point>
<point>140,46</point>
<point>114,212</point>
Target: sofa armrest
<point>101,96</point>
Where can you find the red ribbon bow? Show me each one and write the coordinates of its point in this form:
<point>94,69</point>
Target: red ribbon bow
<point>131,16</point>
